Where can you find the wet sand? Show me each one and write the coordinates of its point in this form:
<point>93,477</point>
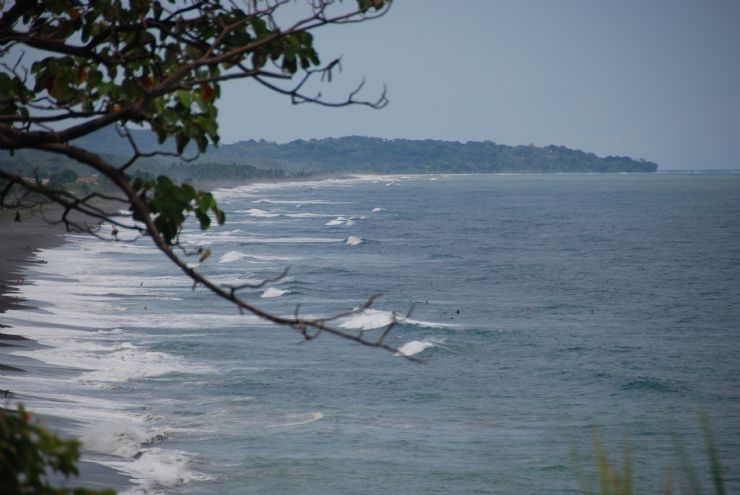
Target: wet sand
<point>19,243</point>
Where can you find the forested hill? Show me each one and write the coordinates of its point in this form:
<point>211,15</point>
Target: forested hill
<point>366,154</point>
<point>376,155</point>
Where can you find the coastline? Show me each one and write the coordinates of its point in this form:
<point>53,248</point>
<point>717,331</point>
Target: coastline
<point>19,245</point>
<point>19,242</point>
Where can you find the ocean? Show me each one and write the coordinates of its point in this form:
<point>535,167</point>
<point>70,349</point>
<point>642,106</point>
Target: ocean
<point>552,313</point>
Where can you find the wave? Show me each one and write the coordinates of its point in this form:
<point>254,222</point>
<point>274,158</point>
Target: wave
<point>308,215</point>
<point>232,256</point>
<point>417,346</point>
<point>256,212</point>
<point>273,292</point>
<point>353,241</point>
<point>369,319</point>
<point>296,202</point>
<point>104,364</point>
<point>154,467</point>
<point>298,419</point>
<point>263,188</point>
<point>377,210</point>
<point>287,240</point>
<point>340,221</point>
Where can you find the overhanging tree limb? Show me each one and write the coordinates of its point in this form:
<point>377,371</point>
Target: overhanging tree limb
<point>114,63</point>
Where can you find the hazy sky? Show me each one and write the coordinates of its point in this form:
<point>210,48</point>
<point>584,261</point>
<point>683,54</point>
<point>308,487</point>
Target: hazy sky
<point>653,79</point>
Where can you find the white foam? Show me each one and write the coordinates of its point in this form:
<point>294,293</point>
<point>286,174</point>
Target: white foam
<point>155,467</point>
<point>273,292</point>
<point>257,188</point>
<point>298,419</point>
<point>287,240</point>
<point>417,346</point>
<point>89,288</point>
<point>256,212</point>
<point>377,210</point>
<point>376,318</point>
<point>367,320</point>
<point>340,221</point>
<point>428,324</point>
<point>231,256</point>
<point>114,439</point>
<point>353,240</point>
<point>108,363</point>
<point>298,203</point>
<point>308,215</point>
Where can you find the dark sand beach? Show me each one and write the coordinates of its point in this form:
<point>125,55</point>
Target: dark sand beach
<point>19,243</point>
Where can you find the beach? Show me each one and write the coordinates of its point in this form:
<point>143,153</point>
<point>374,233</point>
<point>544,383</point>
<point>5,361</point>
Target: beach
<point>19,243</point>
<point>568,309</point>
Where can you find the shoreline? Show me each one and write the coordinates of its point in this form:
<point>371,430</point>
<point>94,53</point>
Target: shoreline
<point>19,245</point>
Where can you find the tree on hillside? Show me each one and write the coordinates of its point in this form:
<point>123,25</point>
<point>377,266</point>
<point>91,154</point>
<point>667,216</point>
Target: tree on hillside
<point>71,67</point>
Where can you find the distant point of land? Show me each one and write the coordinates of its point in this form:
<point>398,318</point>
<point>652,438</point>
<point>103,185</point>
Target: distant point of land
<point>256,160</point>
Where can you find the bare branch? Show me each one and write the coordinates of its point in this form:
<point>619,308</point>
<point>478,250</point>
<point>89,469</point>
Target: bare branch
<point>197,41</point>
<point>258,285</point>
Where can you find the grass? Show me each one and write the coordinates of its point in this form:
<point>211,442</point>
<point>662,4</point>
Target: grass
<point>615,480</point>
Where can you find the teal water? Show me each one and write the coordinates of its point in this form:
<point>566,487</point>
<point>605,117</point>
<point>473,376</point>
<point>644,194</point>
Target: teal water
<point>546,307</point>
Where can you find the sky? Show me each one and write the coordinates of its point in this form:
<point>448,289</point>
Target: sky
<point>652,79</point>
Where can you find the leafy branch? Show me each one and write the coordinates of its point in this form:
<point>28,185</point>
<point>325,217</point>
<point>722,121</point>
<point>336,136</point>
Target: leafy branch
<point>159,64</point>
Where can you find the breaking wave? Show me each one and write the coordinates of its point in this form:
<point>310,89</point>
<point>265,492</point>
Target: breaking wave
<point>340,221</point>
<point>417,346</point>
<point>273,292</point>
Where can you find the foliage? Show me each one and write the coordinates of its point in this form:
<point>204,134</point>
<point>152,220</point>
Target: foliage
<point>70,68</point>
<point>153,63</point>
<point>615,481</point>
<point>63,177</point>
<point>376,155</point>
<point>29,452</point>
<point>170,202</point>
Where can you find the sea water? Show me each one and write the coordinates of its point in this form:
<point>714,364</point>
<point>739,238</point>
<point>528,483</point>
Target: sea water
<point>550,311</point>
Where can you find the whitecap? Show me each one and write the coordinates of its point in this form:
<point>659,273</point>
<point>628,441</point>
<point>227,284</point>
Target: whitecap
<point>340,221</point>
<point>104,364</point>
<point>273,292</point>
<point>307,215</point>
<point>376,318</point>
<point>256,212</point>
<point>155,467</point>
<point>416,346</point>
<point>298,203</point>
<point>367,320</point>
<point>114,439</point>
<point>287,240</point>
<point>353,240</point>
<point>299,419</point>
<point>377,210</point>
<point>231,256</point>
